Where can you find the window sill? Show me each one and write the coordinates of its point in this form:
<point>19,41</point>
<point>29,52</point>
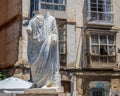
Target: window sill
<point>100,23</point>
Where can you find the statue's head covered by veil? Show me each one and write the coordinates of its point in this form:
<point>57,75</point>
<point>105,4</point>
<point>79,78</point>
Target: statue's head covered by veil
<point>43,51</point>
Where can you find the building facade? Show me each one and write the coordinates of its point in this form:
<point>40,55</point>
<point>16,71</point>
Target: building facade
<point>10,29</point>
<point>89,45</point>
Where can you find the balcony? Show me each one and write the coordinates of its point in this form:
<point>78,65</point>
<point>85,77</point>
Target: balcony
<point>101,50</point>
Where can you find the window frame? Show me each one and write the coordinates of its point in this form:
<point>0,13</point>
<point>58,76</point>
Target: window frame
<point>53,4</point>
<point>97,15</point>
<point>99,59</point>
<point>61,25</point>
<point>99,44</point>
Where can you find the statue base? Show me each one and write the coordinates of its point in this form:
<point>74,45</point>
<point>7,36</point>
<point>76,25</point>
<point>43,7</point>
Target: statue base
<point>45,90</point>
<point>51,91</point>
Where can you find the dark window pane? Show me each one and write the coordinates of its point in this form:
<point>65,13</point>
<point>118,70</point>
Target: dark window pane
<point>101,8</point>
<point>103,39</point>
<point>36,4</point>
<point>94,1</point>
<point>93,15</point>
<point>49,6</point>
<point>62,59</point>
<point>32,8</point>
<point>101,1</point>
<point>59,1</point>
<point>59,7</point>
<point>103,50</point>
<point>46,0</point>
<point>46,6</point>
<point>111,39</point>
<point>62,32</point>
<point>93,5</point>
<point>97,93</point>
<point>94,38</point>
<point>101,16</point>
<point>93,9</point>
<point>43,6</point>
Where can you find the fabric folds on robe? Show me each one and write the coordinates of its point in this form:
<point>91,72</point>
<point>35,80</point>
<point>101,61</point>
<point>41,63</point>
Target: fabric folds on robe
<point>43,51</point>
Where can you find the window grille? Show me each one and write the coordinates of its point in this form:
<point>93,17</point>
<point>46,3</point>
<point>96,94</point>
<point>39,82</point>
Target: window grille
<point>100,10</point>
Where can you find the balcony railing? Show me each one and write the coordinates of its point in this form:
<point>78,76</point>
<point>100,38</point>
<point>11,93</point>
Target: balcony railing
<point>102,61</point>
<point>100,17</point>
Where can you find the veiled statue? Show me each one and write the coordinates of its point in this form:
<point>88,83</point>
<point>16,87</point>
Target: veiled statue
<point>42,51</point>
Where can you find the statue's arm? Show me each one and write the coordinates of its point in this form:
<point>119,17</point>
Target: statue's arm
<point>54,31</point>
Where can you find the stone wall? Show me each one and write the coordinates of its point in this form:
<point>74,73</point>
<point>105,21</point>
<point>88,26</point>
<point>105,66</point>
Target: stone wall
<point>26,8</point>
<point>115,86</point>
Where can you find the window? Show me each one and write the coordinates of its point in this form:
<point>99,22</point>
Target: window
<point>100,10</point>
<point>62,41</point>
<point>36,4</point>
<point>102,49</point>
<point>34,7</point>
<point>47,4</point>
<point>53,4</point>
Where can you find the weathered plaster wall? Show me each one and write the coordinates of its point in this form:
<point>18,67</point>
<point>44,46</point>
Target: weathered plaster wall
<point>116,12</point>
<point>79,8</point>
<point>70,10</point>
<point>115,86</point>
<point>26,8</point>
<point>118,48</point>
<point>78,46</point>
<point>70,45</point>
<point>22,59</point>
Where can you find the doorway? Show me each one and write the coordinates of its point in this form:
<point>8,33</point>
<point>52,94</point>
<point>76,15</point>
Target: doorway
<point>97,92</point>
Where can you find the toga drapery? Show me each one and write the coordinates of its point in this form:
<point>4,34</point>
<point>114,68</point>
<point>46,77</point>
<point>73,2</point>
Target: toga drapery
<point>42,50</point>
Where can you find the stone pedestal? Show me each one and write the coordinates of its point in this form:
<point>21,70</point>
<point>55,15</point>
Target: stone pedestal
<point>39,92</point>
<point>45,92</point>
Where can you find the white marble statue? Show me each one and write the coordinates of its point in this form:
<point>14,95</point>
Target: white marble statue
<point>42,50</point>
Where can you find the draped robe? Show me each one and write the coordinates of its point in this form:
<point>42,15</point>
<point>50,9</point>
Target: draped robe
<point>42,50</point>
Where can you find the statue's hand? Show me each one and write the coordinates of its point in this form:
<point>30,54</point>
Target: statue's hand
<point>54,38</point>
<point>28,29</point>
